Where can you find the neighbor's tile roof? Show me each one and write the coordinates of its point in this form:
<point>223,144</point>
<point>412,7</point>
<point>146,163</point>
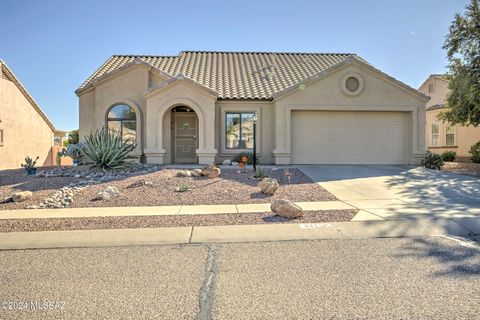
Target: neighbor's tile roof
<point>436,107</point>
<point>234,75</point>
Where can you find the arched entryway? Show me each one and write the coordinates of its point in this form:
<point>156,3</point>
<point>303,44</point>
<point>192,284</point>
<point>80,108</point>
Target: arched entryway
<point>184,135</point>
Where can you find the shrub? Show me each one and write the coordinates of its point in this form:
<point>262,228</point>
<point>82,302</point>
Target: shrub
<point>249,155</point>
<point>74,151</point>
<point>260,173</point>
<point>105,150</point>
<point>475,151</point>
<point>432,161</point>
<point>73,137</point>
<point>448,156</point>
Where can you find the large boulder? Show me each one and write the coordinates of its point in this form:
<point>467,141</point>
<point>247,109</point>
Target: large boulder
<point>226,162</point>
<point>22,196</point>
<point>268,186</point>
<point>211,171</point>
<point>108,193</point>
<point>286,209</point>
<point>197,172</point>
<point>184,173</point>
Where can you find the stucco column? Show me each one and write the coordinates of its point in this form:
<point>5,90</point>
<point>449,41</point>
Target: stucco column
<point>281,153</point>
<point>154,150</point>
<point>206,151</point>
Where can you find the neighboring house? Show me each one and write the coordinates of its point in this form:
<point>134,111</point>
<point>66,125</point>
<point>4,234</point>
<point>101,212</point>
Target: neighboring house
<point>312,108</point>
<point>24,129</point>
<point>440,136</point>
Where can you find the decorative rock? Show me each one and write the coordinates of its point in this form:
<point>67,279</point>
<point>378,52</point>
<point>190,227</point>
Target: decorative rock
<point>197,172</point>
<point>184,173</point>
<point>107,194</point>
<point>226,162</point>
<point>268,186</point>
<point>32,207</point>
<point>209,169</point>
<point>22,196</point>
<point>286,209</point>
<point>214,173</point>
<point>6,200</point>
<point>140,183</point>
<point>234,163</point>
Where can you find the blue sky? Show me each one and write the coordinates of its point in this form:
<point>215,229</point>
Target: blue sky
<point>53,46</point>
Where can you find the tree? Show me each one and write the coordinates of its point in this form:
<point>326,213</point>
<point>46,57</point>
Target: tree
<point>73,137</point>
<point>463,52</point>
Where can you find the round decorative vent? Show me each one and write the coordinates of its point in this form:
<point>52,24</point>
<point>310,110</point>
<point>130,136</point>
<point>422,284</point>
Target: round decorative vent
<point>352,84</point>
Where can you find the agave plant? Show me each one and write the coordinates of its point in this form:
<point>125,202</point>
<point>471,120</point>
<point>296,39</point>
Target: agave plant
<point>105,149</point>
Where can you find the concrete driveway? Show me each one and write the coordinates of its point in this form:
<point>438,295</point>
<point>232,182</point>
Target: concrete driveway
<point>399,192</point>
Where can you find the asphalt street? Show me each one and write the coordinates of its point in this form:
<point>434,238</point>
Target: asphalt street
<point>396,278</point>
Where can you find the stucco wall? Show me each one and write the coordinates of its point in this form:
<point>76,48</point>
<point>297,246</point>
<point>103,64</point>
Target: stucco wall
<point>129,88</point>
<point>465,137</point>
<point>25,132</point>
<point>325,93</point>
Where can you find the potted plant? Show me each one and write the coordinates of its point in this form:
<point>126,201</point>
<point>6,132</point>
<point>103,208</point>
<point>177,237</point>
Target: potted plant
<point>29,165</point>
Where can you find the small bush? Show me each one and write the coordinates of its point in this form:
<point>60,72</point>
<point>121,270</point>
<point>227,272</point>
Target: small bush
<point>475,151</point>
<point>260,173</point>
<point>249,155</point>
<point>448,156</point>
<point>432,161</point>
<point>105,150</point>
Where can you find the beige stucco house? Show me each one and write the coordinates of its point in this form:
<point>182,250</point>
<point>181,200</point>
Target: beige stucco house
<point>24,129</point>
<point>312,108</point>
<point>440,136</point>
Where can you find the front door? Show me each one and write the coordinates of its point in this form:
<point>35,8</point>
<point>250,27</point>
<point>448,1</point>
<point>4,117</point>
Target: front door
<point>185,137</point>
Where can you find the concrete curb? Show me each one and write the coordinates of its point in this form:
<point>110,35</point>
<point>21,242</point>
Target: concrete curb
<point>239,233</point>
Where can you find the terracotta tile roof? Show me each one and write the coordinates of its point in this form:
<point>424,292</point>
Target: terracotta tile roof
<point>436,107</point>
<point>233,75</point>
<point>8,74</point>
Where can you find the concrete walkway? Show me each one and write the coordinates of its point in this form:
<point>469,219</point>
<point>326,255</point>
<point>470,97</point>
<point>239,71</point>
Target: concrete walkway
<point>162,210</point>
<point>239,233</point>
<point>399,192</point>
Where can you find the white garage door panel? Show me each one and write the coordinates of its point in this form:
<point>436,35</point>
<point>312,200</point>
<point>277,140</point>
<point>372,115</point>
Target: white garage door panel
<point>324,137</point>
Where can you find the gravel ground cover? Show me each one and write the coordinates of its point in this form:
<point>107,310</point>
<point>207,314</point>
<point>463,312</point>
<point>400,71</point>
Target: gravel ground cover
<point>466,168</point>
<point>131,222</point>
<point>230,188</point>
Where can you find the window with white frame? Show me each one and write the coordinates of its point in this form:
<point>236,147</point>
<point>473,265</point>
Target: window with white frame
<point>435,130</point>
<point>450,135</point>
<point>239,130</point>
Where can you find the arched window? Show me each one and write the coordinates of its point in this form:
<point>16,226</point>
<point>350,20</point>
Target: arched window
<point>121,118</point>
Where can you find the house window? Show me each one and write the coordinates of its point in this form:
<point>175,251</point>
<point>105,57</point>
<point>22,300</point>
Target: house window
<point>450,136</point>
<point>239,130</point>
<point>1,137</point>
<point>435,128</point>
<point>430,88</point>
<point>121,118</point>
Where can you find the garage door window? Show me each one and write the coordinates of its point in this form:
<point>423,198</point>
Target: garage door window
<point>450,136</point>
<point>435,134</point>
<point>239,130</point>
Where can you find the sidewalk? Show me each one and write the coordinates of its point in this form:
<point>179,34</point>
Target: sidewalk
<point>162,210</point>
<point>240,233</point>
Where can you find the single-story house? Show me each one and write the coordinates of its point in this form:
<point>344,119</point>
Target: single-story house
<point>24,128</point>
<point>440,135</point>
<point>311,108</point>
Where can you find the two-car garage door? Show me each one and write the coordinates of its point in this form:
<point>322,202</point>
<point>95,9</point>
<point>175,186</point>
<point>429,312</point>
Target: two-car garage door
<point>350,137</point>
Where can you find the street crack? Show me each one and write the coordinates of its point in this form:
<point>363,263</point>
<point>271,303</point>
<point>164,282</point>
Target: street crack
<point>206,294</point>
